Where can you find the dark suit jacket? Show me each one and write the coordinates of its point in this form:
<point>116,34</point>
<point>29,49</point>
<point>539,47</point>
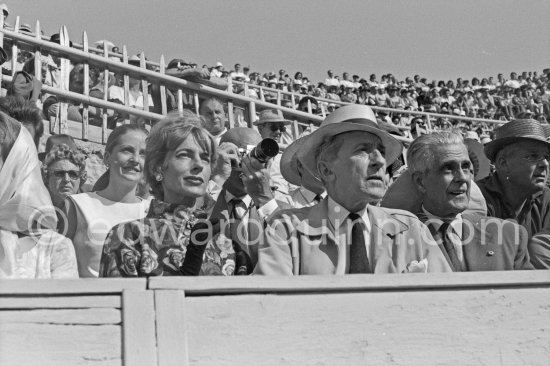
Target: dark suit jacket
<point>490,244</point>
<point>254,229</point>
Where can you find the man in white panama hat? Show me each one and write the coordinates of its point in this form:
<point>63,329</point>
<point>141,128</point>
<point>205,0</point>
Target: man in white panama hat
<point>344,233</point>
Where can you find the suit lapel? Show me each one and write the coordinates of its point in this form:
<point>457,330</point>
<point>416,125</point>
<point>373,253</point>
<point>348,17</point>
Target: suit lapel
<point>437,237</point>
<point>384,229</point>
<point>474,246</point>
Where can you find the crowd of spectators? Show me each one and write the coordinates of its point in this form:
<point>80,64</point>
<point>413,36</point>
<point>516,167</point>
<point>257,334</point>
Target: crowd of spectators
<point>164,182</point>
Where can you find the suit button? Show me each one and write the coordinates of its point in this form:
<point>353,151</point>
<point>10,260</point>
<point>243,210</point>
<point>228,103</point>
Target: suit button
<point>490,253</point>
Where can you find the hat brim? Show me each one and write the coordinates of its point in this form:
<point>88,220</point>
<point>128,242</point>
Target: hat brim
<point>260,122</point>
<point>308,151</point>
<point>289,162</point>
<point>492,148</point>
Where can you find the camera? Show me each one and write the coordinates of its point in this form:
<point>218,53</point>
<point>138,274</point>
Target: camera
<point>265,150</point>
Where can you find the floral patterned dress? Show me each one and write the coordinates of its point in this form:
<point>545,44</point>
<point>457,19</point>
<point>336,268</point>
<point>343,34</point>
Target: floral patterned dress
<point>156,245</point>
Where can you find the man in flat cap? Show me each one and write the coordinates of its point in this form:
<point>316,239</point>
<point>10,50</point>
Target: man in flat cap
<point>345,233</point>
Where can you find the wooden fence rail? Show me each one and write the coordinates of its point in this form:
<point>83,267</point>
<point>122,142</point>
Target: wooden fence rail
<point>491,318</point>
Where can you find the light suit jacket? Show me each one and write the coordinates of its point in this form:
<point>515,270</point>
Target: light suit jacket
<point>490,244</point>
<point>302,241</point>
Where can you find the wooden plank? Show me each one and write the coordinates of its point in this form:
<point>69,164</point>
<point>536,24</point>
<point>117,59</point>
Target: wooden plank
<point>105,116</point>
<point>251,114</point>
<point>37,54</point>
<point>60,302</point>
<point>180,101</point>
<point>14,49</point>
<point>65,74</point>
<point>326,284</point>
<point>196,102</point>
<point>138,328</point>
<point>59,345</point>
<point>230,114</point>
<point>473,327</point>
<point>71,286</point>
<point>144,83</point>
<point>85,111</point>
<point>126,81</point>
<point>171,327</point>
<point>61,316</point>
<point>163,105</point>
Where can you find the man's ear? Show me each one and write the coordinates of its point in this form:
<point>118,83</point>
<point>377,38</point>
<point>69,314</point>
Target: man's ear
<point>325,171</point>
<point>418,181</point>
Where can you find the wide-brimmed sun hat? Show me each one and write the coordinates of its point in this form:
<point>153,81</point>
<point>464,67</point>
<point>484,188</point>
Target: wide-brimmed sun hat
<point>289,162</point>
<point>514,131</point>
<point>271,116</point>
<point>349,118</point>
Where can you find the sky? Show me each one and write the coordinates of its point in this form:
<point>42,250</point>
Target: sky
<point>438,39</point>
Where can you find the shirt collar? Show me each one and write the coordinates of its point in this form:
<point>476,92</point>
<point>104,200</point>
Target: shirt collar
<point>338,215</point>
<point>437,221</point>
<point>247,200</point>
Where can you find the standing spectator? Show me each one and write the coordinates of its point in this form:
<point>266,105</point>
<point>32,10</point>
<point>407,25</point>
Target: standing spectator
<point>331,80</point>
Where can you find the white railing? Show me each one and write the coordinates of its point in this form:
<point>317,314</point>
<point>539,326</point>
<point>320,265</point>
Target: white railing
<point>241,108</point>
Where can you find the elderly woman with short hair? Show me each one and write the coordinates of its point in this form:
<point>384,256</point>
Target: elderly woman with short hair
<point>179,158</point>
<point>63,172</point>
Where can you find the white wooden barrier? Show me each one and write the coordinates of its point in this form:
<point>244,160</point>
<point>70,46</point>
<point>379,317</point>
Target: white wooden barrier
<point>475,318</point>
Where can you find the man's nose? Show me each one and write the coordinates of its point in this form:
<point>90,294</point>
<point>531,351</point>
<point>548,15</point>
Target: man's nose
<point>377,159</point>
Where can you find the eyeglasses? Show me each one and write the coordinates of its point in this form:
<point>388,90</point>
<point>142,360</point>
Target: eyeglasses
<point>278,128</point>
<point>73,174</point>
<point>537,157</point>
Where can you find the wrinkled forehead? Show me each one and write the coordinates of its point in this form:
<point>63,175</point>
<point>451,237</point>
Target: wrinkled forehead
<point>354,138</point>
<point>451,153</point>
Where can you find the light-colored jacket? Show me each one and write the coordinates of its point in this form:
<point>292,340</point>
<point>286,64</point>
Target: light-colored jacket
<point>302,241</point>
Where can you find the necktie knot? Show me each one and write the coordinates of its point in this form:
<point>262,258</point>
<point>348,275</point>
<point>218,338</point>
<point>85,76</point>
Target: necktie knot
<point>239,208</point>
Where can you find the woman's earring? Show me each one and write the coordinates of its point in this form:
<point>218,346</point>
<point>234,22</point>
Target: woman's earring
<point>158,177</point>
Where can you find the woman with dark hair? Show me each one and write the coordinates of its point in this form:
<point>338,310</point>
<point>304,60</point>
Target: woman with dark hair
<point>179,158</point>
<point>90,215</point>
<point>29,245</point>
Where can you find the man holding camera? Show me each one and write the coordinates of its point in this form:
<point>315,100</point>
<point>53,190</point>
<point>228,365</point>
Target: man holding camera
<point>273,125</point>
<point>246,198</point>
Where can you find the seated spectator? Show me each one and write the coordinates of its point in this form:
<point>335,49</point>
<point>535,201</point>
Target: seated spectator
<point>184,70</point>
<point>442,172</point>
<point>25,112</point>
<point>178,162</point>
<point>517,189</point>
<point>90,215</point>
<point>217,70</point>
<point>29,245</point>
<point>347,142</point>
<point>214,121</point>
<point>63,172</point>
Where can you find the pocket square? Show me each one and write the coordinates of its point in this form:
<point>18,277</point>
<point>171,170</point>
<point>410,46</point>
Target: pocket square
<point>417,267</point>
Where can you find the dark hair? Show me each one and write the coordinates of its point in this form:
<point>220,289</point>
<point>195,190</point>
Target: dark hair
<point>9,130</point>
<point>25,112</point>
<point>166,136</point>
<point>121,130</point>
